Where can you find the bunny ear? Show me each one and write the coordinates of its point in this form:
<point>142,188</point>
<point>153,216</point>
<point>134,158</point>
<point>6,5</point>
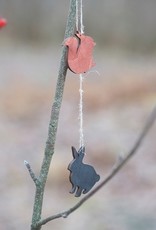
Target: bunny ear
<point>74,152</point>
<point>81,150</point>
<point>81,153</point>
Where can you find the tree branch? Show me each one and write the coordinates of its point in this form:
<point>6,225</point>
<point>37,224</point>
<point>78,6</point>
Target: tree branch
<point>53,124</point>
<point>115,169</point>
<point>32,174</point>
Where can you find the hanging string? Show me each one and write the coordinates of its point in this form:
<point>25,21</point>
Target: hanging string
<point>79,17</point>
<point>80,28</point>
<point>81,111</point>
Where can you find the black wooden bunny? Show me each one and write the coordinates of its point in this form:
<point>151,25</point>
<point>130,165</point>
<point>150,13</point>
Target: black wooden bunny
<point>82,176</point>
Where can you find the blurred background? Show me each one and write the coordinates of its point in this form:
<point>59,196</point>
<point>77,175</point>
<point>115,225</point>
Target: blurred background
<point>119,94</point>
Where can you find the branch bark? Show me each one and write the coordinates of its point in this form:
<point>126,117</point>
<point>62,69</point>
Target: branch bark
<point>115,169</point>
<point>53,124</point>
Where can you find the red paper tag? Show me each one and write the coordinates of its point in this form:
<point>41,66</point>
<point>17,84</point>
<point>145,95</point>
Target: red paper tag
<point>80,48</point>
<point>3,22</point>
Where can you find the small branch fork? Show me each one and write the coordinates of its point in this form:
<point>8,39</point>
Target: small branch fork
<point>32,174</point>
<point>115,169</point>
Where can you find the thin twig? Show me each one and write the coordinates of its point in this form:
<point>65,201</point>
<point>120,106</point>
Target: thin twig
<point>115,169</point>
<point>32,174</point>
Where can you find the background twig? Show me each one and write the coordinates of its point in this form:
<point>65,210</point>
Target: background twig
<point>118,165</point>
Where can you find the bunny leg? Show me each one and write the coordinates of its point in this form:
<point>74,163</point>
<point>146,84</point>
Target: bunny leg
<point>86,190</point>
<point>73,189</point>
<point>78,192</point>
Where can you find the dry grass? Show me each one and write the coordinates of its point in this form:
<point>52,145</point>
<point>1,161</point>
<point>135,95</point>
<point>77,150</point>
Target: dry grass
<point>24,100</point>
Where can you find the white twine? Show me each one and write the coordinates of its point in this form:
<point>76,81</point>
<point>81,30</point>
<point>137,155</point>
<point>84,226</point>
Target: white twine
<point>81,111</point>
<point>79,17</point>
<point>80,28</point>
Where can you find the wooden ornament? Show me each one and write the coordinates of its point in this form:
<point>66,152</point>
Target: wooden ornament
<point>82,176</point>
<point>80,49</point>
